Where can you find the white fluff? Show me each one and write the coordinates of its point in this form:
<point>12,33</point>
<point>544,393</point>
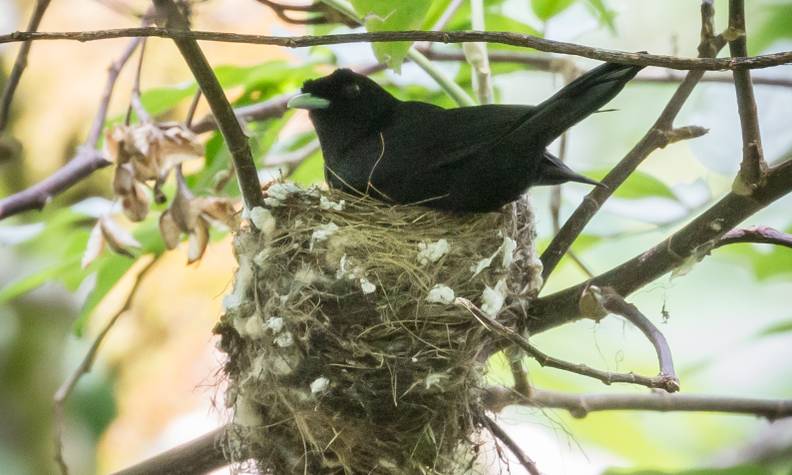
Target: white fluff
<point>263,220</point>
<point>325,203</point>
<point>284,340</point>
<point>432,252</point>
<point>319,385</point>
<point>441,294</point>
<point>367,286</point>
<point>323,232</point>
<point>492,298</point>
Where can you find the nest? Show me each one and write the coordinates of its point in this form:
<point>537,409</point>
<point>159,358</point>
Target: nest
<point>346,351</point>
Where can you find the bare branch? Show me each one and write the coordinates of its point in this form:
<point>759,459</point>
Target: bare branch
<point>753,166</point>
<point>757,235</point>
<point>580,405</point>
<point>555,64</point>
<point>607,377</point>
<point>201,455</point>
<point>235,138</point>
<point>65,390</point>
<point>614,303</point>
<point>693,241</point>
<point>515,449</point>
<point>20,63</point>
<point>657,137</point>
<point>85,162</point>
<point>500,37</point>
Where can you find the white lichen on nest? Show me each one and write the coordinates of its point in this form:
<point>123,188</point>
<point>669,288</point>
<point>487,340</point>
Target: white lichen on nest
<point>341,330</point>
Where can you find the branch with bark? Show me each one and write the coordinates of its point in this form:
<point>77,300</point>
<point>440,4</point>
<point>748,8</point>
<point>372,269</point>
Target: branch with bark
<point>688,245</point>
<point>20,63</point>
<point>499,37</point>
<point>235,139</point>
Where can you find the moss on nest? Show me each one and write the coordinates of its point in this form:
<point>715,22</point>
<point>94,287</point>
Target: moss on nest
<point>346,353</point>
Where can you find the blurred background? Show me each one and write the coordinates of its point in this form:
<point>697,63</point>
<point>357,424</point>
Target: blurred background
<point>155,383</point>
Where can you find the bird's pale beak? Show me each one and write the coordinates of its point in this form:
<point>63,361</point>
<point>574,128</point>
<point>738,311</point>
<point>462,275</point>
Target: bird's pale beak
<point>307,101</point>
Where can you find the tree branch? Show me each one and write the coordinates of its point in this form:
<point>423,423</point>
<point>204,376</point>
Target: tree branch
<point>753,166</point>
<point>580,405</point>
<point>614,303</point>
<point>755,234</point>
<point>515,449</point>
<point>500,37</point>
<point>693,241</point>
<point>201,455</point>
<point>235,139</point>
<point>662,381</point>
<point>20,63</point>
<point>553,64</point>
<point>658,136</point>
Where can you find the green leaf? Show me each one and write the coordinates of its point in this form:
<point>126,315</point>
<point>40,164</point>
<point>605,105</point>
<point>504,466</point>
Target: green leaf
<point>310,171</point>
<point>379,15</point>
<point>638,185</point>
<point>547,9</point>
<point>159,100</point>
<point>110,271</point>
<point>110,268</point>
<point>30,282</point>
<point>604,14</point>
<point>766,260</point>
<point>777,328</point>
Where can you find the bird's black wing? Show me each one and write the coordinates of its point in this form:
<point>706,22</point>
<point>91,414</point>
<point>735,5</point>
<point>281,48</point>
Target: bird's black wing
<point>443,137</point>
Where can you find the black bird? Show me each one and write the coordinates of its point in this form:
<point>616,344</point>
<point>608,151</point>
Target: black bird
<point>466,159</point>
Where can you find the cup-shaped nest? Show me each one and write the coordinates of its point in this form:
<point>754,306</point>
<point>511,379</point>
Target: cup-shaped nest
<point>346,350</point>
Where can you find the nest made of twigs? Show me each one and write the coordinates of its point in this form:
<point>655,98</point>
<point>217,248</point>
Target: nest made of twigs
<point>346,351</point>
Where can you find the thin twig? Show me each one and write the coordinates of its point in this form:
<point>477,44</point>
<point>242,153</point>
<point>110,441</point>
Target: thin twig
<point>756,235</point>
<point>555,64</point>
<point>580,405</point>
<point>191,110</point>
<point>500,37</point>
<point>544,359</point>
<point>616,304</point>
<point>693,241</point>
<point>657,137</point>
<point>20,63</point>
<point>500,434</point>
<point>65,390</point>
<point>753,166</point>
<point>235,139</point>
<point>137,103</point>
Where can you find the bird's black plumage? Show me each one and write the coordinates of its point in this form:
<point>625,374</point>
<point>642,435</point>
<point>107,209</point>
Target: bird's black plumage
<point>466,159</point>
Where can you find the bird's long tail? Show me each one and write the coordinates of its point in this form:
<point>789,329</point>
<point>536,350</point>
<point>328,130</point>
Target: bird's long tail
<point>576,101</point>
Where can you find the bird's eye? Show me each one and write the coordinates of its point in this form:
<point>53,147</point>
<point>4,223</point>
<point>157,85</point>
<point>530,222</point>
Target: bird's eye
<point>352,90</point>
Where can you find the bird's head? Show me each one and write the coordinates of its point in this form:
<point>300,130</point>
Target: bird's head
<point>344,96</point>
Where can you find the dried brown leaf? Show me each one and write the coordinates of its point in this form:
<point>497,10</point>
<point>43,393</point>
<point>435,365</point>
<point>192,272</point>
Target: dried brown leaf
<point>169,230</point>
<point>136,203</point>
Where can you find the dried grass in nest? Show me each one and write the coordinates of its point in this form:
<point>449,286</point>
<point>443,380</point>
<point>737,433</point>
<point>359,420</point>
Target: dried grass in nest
<point>346,353</point>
